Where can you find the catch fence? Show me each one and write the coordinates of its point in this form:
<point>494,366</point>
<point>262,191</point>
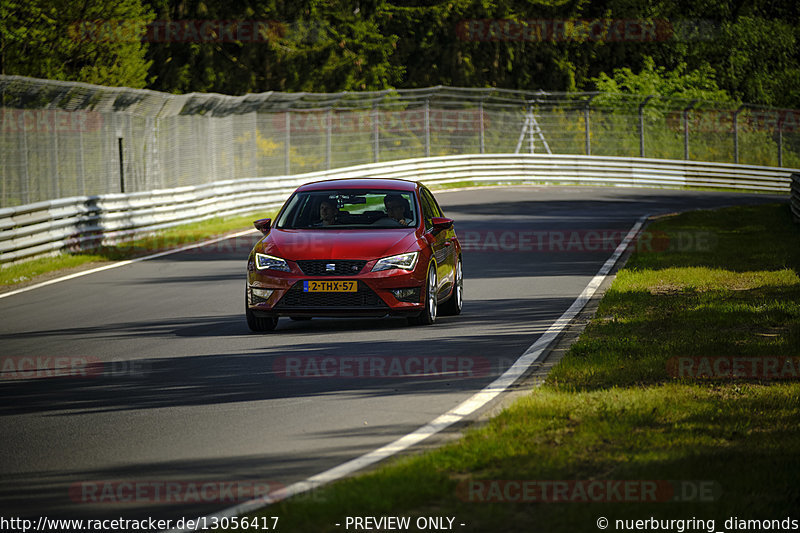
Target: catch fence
<point>64,139</point>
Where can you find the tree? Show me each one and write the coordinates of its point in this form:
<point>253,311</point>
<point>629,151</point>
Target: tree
<point>761,60</point>
<point>91,41</point>
<point>679,82</point>
<point>482,44</point>
<point>309,45</point>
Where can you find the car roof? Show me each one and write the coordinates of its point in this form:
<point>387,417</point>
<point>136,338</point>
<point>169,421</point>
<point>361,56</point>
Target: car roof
<point>360,183</point>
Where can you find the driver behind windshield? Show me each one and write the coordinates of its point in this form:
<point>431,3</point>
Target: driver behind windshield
<point>327,212</point>
<point>397,208</point>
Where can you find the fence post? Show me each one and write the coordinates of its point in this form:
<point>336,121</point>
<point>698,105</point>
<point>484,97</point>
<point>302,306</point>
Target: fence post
<point>254,159</point>
<point>586,124</point>
<point>780,137</point>
<point>531,130</point>
<point>133,183</point>
<point>480,118</point>
<point>328,128</point>
<point>287,142</point>
<point>427,127</point>
<point>25,179</point>
<point>376,140</point>
<point>211,137</point>
<point>56,189</point>
<point>641,125</point>
<point>81,167</point>
<point>686,129</point>
<point>121,165</point>
<point>736,134</point>
<point>4,177</point>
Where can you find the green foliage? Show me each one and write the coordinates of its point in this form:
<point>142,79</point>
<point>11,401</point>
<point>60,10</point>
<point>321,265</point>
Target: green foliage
<point>722,50</point>
<point>314,45</point>
<point>654,80</point>
<point>61,40</point>
<point>438,47</point>
<point>761,63</point>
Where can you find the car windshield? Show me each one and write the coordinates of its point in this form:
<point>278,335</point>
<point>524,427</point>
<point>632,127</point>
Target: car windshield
<point>350,209</point>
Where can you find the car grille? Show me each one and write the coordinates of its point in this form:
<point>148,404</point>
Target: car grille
<point>340,267</point>
<point>364,297</point>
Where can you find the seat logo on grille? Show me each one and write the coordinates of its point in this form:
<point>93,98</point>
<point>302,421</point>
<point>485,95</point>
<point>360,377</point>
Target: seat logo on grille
<point>330,267</point>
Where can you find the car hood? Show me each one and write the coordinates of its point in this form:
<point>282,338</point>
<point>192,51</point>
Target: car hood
<point>299,245</point>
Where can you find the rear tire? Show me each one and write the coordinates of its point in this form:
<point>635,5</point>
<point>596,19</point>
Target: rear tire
<point>456,301</point>
<point>428,315</point>
<point>258,324</point>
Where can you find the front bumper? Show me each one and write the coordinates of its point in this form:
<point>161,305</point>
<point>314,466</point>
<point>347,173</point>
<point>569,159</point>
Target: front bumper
<point>389,292</point>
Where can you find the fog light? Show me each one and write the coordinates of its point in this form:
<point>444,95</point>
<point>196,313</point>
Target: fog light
<point>262,293</point>
<point>259,296</point>
<point>407,295</point>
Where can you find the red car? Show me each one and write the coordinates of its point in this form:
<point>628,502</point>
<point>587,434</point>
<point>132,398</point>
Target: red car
<point>355,247</point>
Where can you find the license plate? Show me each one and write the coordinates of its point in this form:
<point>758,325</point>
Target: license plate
<point>330,286</point>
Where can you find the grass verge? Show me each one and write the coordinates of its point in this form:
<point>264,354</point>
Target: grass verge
<point>661,445</point>
<point>162,240</point>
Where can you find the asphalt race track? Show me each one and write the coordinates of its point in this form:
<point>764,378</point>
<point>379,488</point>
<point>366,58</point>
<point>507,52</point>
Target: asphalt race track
<point>178,390</point>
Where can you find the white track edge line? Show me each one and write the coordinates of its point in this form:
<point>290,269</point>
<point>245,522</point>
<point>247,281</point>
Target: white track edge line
<point>126,262</point>
<point>466,408</point>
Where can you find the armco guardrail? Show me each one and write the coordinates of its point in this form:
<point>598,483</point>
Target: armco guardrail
<point>90,221</point>
<point>794,200</point>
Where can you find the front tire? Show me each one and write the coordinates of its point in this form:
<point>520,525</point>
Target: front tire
<point>428,315</point>
<point>258,324</point>
<point>454,304</point>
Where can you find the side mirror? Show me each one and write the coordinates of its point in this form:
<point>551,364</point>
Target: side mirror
<point>441,223</point>
<point>262,225</point>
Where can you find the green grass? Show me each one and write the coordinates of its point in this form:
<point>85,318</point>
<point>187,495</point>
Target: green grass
<point>612,411</point>
<point>161,240</point>
<point>28,270</point>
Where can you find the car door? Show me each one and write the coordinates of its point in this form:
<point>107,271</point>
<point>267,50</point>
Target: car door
<point>442,242</point>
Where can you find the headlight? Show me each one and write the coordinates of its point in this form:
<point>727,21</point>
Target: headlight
<point>268,262</point>
<point>403,262</point>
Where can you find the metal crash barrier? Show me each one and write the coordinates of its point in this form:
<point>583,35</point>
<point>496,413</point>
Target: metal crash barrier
<point>86,222</point>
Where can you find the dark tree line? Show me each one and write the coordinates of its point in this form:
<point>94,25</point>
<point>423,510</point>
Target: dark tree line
<point>748,50</point>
